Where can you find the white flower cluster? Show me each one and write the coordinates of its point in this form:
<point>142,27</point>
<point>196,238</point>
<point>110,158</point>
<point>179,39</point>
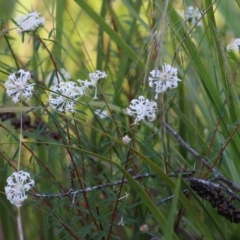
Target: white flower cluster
<point>234,45</point>
<point>30,22</point>
<point>142,108</point>
<point>17,185</point>
<point>94,77</point>
<point>162,80</point>
<point>193,15</point>
<point>17,86</point>
<point>64,95</point>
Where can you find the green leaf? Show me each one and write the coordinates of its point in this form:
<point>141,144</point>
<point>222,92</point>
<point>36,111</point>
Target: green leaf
<point>112,34</point>
<point>168,231</point>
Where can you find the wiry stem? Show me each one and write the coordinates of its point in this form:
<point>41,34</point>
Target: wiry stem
<point>90,189</point>
<point>19,225</point>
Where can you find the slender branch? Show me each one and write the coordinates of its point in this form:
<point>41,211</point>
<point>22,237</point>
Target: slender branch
<point>185,145</point>
<point>50,55</point>
<point>169,198</point>
<point>217,176</point>
<point>11,50</point>
<point>89,189</point>
<point>74,194</point>
<point>231,184</point>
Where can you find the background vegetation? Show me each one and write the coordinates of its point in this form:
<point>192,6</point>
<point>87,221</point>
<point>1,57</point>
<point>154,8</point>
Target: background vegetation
<point>126,39</point>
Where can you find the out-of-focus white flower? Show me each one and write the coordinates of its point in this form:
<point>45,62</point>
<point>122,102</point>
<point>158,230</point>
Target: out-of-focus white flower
<point>101,114</point>
<point>162,80</point>
<point>193,15</point>
<point>125,196</point>
<point>142,108</point>
<point>205,132</point>
<point>234,45</point>
<point>126,139</point>
<point>17,185</point>
<point>64,96</point>
<point>94,77</point>
<point>144,228</point>
<point>17,86</point>
<point>30,22</point>
<point>121,222</point>
<point>62,75</point>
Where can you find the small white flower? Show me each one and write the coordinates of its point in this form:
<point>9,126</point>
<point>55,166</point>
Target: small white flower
<point>94,77</point>
<point>62,75</point>
<point>121,222</point>
<point>17,184</point>
<point>17,86</point>
<point>205,132</point>
<point>162,80</point>
<point>142,109</point>
<point>126,139</point>
<point>193,15</point>
<point>101,114</point>
<point>30,22</point>
<point>64,96</point>
<point>234,45</point>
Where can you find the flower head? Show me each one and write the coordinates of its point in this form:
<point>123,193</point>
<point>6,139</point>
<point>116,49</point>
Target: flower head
<point>64,96</point>
<point>101,114</point>
<point>193,15</point>
<point>17,86</point>
<point>142,108</point>
<point>17,184</point>
<point>30,22</point>
<point>162,80</point>
<point>234,45</point>
<point>94,78</point>
<point>62,75</point>
<point>126,139</point>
